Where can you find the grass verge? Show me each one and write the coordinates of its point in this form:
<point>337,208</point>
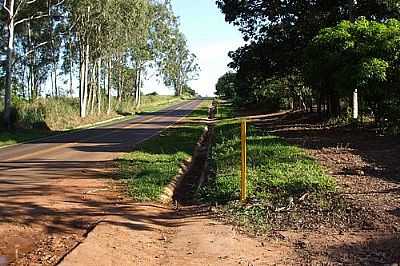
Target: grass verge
<point>62,115</point>
<point>286,186</point>
<point>151,167</point>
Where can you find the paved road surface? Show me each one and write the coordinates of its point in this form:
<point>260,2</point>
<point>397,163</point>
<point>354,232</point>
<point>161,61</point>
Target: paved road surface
<point>44,184</point>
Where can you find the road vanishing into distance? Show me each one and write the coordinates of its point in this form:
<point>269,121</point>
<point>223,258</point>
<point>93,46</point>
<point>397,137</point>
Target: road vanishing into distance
<point>46,185</point>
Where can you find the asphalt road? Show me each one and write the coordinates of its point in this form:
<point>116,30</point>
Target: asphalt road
<point>44,184</point>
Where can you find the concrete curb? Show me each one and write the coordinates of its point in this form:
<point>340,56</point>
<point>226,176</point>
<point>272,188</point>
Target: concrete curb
<point>185,167</point>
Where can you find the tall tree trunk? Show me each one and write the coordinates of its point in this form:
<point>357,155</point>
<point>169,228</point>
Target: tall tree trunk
<point>355,105</point>
<point>55,78</point>
<point>23,82</point>
<point>52,84</point>
<point>81,80</point>
<point>86,87</point>
<point>119,91</point>
<point>71,90</point>
<point>9,71</point>
<point>52,47</point>
<point>84,79</point>
<point>32,62</point>
<point>355,92</point>
<point>85,67</point>
<point>92,98</point>
<point>109,85</point>
<point>138,86</point>
<point>99,98</point>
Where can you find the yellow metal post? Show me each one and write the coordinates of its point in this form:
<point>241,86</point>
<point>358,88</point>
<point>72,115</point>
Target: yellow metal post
<point>243,180</point>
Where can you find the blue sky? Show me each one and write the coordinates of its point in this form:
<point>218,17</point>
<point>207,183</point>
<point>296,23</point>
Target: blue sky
<point>209,37</point>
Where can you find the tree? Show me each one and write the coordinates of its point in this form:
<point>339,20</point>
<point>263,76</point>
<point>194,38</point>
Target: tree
<point>227,86</point>
<point>110,45</point>
<point>363,55</point>
<point>13,10</point>
<point>278,32</point>
<point>180,66</point>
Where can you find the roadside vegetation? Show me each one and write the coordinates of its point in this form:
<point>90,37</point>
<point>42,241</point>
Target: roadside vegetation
<point>287,187</point>
<point>152,166</point>
<point>57,50</point>
<point>51,116</point>
<point>339,59</point>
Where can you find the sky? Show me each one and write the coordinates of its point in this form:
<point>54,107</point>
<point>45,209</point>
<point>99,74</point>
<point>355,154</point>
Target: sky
<point>209,37</point>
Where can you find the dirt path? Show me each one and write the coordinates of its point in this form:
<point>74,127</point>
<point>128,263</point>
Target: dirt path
<point>366,167</point>
<point>169,237</point>
<point>367,172</point>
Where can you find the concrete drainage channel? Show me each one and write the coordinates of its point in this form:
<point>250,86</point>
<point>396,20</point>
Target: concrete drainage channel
<point>194,171</point>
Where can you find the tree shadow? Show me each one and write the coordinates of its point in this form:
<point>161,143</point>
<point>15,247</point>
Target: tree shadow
<point>384,250</point>
<point>58,198</point>
<point>380,152</point>
<point>115,138</point>
<point>60,184</point>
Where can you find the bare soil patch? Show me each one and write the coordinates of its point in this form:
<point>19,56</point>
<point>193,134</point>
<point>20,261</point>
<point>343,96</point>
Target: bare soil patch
<point>366,166</point>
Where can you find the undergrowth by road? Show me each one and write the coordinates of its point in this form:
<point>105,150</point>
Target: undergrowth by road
<point>48,117</point>
<point>287,188</point>
<point>151,167</point>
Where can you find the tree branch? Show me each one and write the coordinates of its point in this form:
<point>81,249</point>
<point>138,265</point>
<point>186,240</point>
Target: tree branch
<point>34,48</point>
<point>30,18</point>
<point>18,7</point>
<point>6,8</point>
<point>59,3</point>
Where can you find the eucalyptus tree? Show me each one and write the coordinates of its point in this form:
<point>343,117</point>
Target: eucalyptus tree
<point>151,45</point>
<point>180,65</point>
<point>18,13</point>
<point>113,43</point>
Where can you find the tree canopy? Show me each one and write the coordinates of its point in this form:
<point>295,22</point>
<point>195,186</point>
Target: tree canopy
<point>283,57</point>
<point>109,45</point>
<point>363,55</point>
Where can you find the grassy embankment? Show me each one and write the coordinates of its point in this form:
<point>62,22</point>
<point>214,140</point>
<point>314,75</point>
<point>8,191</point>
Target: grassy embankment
<point>281,177</point>
<point>151,167</point>
<point>45,117</point>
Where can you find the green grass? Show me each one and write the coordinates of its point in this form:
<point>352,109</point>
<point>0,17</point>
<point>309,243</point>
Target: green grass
<point>151,167</point>
<point>62,114</point>
<point>279,173</point>
<point>224,110</point>
<point>276,169</point>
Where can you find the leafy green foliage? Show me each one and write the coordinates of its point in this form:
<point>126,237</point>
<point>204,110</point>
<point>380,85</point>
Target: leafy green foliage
<point>363,55</point>
<point>277,35</point>
<point>179,66</point>
<point>266,95</point>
